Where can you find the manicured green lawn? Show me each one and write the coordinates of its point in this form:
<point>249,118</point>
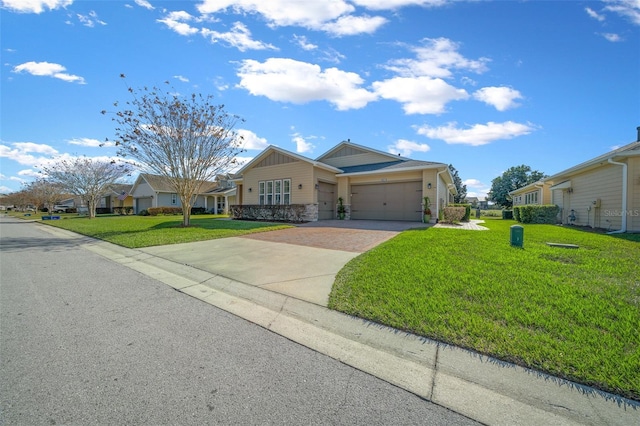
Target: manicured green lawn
<point>574,313</point>
<point>145,231</point>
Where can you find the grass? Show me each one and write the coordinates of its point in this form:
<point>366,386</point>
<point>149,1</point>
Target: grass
<point>572,313</point>
<point>145,231</point>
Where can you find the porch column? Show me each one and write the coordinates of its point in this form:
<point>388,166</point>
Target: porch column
<point>226,204</point>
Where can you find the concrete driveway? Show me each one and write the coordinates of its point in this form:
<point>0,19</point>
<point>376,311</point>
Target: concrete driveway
<point>301,262</point>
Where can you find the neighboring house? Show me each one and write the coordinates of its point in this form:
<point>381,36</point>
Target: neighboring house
<point>156,191</point>
<point>477,203</point>
<point>603,192</point>
<point>373,184</point>
<point>534,193</point>
<point>118,196</point>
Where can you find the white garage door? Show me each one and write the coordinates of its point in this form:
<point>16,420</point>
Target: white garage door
<point>327,200</point>
<point>387,201</point>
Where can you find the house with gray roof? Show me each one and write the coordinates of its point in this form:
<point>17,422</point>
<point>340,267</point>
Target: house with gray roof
<point>372,184</point>
<point>156,191</point>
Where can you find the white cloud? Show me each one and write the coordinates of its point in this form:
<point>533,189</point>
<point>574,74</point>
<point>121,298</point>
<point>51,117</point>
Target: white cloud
<point>279,13</point>
<point>304,43</point>
<point>595,15</point>
<point>476,135</point>
<point>34,6</point>
<point>251,140</point>
<point>145,4</point>
<point>351,25</point>
<point>287,80</point>
<point>239,37</point>
<point>333,16</point>
<point>5,189</point>
<point>406,148</point>
<point>396,4</point>
<point>90,20</point>
<point>92,143</point>
<point>421,95</point>
<point>436,58</point>
<point>614,38</point>
<point>302,146</point>
<point>502,98</point>
<point>28,173</point>
<point>177,21</point>
<point>628,8</point>
<point>48,69</point>
<point>22,152</point>
<point>473,183</point>
<point>181,78</point>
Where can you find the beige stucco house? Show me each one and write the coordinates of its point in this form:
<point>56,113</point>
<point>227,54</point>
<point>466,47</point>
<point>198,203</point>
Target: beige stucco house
<point>155,191</point>
<point>373,185</point>
<point>603,192</point>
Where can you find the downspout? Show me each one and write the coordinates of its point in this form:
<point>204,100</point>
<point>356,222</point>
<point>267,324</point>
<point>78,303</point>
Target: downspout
<point>624,197</point>
<point>438,194</point>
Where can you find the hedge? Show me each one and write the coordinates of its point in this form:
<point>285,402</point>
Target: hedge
<point>271,213</point>
<point>467,211</point>
<point>507,214</point>
<point>155,211</point>
<point>534,213</point>
<point>453,214</point>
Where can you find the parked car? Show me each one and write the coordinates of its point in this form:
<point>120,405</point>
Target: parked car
<point>61,208</point>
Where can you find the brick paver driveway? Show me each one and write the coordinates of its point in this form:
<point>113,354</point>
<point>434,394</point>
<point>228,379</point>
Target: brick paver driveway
<point>347,235</point>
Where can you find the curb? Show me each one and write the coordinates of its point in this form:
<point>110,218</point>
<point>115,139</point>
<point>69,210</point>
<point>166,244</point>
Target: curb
<point>482,388</point>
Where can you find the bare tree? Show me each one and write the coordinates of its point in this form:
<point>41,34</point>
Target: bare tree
<point>87,178</point>
<point>44,193</point>
<point>187,140</point>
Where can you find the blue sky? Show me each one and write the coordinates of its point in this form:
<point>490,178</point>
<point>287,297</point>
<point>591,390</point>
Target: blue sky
<point>483,85</point>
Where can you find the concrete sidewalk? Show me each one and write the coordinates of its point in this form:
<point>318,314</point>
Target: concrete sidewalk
<point>482,388</point>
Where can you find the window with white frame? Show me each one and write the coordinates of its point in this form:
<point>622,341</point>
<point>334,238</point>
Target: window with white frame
<point>531,197</point>
<point>272,192</point>
<point>261,194</point>
<point>174,199</point>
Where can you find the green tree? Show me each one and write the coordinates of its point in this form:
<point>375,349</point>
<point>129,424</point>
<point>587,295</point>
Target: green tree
<point>514,178</point>
<point>462,189</point>
<point>188,140</point>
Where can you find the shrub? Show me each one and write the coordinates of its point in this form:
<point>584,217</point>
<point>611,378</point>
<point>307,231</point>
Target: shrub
<point>467,211</point>
<point>198,210</point>
<point>534,213</point>
<point>143,212</point>
<point>165,210</point>
<point>454,214</point>
<point>103,210</point>
<point>507,214</point>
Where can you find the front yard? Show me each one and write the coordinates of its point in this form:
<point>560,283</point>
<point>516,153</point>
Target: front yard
<point>145,231</point>
<point>574,313</point>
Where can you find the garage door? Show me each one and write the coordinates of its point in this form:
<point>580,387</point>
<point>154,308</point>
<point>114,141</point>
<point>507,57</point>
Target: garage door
<point>388,201</point>
<point>326,201</point>
<point>143,204</point>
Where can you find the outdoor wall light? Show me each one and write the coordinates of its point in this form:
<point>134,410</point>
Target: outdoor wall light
<point>317,186</point>
<point>429,185</point>
<point>250,189</point>
<point>299,186</point>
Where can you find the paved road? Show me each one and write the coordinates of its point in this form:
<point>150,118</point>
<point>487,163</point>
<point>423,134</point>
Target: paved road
<point>85,341</point>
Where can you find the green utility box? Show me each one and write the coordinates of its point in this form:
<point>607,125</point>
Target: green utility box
<point>517,236</point>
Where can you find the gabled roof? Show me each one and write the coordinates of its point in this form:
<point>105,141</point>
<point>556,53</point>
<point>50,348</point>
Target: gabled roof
<point>162,184</point>
<point>342,144</point>
<point>272,148</point>
<point>532,186</point>
<point>392,166</point>
<point>120,188</point>
<point>630,150</point>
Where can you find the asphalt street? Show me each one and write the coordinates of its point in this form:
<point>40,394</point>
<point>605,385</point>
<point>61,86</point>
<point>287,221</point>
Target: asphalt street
<point>84,340</point>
